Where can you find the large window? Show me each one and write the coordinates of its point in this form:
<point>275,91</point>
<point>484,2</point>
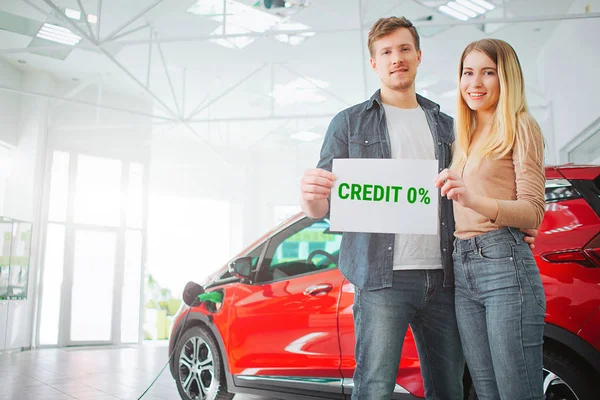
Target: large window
<point>585,148</point>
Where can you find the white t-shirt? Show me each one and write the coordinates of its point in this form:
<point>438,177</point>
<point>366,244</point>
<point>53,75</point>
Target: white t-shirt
<point>410,138</point>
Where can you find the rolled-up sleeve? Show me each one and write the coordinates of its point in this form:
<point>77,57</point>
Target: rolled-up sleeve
<point>527,211</point>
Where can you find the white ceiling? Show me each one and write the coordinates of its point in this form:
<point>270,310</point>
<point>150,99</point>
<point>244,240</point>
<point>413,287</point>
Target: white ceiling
<point>329,70</point>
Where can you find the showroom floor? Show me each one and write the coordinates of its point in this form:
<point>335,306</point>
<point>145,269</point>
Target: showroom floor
<point>90,373</point>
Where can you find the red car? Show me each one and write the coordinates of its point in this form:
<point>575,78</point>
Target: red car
<point>284,327</point>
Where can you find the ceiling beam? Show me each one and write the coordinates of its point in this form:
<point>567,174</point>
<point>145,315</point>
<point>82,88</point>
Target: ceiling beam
<point>475,21</point>
<point>129,32</point>
<point>87,103</point>
<point>99,12</point>
<point>262,118</point>
<point>148,91</point>
<point>329,92</point>
<point>202,38</point>
<point>130,21</point>
<point>85,16</point>
<point>201,107</point>
<point>164,63</point>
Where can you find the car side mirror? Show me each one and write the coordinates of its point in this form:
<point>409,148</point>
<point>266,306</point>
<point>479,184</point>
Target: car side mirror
<point>241,267</point>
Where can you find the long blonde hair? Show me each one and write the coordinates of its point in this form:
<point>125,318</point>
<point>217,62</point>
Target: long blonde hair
<point>513,127</point>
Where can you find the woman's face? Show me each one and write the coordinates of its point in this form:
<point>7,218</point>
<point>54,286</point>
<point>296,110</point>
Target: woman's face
<point>479,83</point>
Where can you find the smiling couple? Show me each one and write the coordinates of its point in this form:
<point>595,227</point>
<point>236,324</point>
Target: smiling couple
<point>473,291</point>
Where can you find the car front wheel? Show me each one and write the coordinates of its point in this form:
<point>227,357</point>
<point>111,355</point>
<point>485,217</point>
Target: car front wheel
<point>200,374</point>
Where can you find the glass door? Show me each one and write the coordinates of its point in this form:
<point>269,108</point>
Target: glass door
<point>91,290</point>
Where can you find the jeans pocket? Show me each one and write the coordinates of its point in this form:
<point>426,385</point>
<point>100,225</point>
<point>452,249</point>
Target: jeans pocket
<point>535,281</point>
<point>501,251</point>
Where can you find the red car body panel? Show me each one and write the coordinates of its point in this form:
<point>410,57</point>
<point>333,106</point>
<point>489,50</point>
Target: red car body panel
<point>280,324</point>
<point>591,330</point>
<point>572,291</point>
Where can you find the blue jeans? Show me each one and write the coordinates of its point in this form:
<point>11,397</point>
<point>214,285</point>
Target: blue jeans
<point>500,308</point>
<point>381,319</point>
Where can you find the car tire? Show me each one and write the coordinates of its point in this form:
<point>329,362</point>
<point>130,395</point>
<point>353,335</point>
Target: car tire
<point>199,367</point>
<point>575,379</point>
<point>564,379</point>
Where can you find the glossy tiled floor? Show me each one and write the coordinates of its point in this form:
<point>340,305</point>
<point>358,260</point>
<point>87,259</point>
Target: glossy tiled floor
<point>97,373</point>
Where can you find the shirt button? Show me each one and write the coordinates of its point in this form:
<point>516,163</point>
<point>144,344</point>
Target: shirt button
<point>444,249</point>
<point>439,143</point>
<point>366,141</point>
<point>443,223</point>
<point>389,248</point>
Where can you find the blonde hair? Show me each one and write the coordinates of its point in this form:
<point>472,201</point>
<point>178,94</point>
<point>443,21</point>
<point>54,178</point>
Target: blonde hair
<point>385,26</point>
<point>513,127</point>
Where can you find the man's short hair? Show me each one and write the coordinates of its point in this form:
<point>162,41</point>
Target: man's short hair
<point>385,26</point>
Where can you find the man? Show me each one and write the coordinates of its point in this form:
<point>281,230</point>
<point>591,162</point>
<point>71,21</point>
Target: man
<point>399,279</point>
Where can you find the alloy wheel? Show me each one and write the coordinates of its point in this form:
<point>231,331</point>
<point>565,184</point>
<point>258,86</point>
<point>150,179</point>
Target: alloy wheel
<point>557,389</point>
<point>197,369</point>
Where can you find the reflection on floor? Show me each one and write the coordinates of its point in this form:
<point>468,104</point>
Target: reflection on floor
<point>90,373</point>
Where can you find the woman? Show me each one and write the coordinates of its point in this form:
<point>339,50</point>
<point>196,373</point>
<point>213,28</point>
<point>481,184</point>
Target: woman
<point>496,181</point>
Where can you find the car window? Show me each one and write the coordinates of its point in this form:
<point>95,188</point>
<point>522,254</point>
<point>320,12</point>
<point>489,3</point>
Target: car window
<point>305,247</point>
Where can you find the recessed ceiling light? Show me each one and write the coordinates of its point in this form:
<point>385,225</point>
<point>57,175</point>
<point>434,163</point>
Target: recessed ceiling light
<point>92,19</point>
<point>484,4</point>
<point>73,14</point>
<point>453,13</point>
<point>472,6</point>
<point>58,34</point>
<point>461,9</point>
<point>465,9</point>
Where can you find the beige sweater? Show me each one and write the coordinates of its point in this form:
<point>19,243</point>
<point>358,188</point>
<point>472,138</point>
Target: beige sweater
<point>518,190</point>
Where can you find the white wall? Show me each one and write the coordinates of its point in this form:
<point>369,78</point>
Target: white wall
<point>100,132</point>
<point>21,200</point>
<point>9,103</point>
<point>570,78</point>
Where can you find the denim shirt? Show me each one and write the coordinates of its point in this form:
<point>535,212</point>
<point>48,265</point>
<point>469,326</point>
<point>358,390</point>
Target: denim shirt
<point>366,259</point>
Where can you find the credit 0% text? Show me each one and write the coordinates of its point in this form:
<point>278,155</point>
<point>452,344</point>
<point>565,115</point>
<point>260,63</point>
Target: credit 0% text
<point>388,194</point>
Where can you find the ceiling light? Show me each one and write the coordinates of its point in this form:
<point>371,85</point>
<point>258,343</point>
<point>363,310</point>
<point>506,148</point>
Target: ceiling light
<point>73,14</point>
<point>453,13</point>
<point>463,10</point>
<point>305,136</point>
<point>484,4</point>
<point>58,34</point>
<point>472,6</point>
<point>242,18</point>
<point>92,19</point>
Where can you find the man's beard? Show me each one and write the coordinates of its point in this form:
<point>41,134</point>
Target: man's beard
<point>402,85</point>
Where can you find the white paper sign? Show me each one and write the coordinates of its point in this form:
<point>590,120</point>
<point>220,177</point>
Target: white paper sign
<point>384,196</point>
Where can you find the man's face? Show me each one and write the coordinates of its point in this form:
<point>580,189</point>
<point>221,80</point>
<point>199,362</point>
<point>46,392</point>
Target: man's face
<point>395,59</point>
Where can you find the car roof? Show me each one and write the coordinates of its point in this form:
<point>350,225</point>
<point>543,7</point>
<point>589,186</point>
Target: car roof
<point>574,171</point>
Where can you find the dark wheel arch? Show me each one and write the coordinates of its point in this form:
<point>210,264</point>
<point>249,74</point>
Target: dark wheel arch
<point>200,319</point>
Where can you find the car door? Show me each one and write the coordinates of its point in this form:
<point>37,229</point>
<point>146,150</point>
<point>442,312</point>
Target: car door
<point>283,326</point>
